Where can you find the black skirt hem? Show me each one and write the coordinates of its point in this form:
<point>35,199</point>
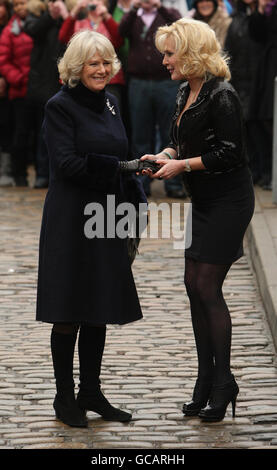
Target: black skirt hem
<point>77,322</point>
<point>202,259</point>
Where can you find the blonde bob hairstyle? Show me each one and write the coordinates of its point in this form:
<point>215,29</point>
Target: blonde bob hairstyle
<point>198,52</point>
<point>81,48</point>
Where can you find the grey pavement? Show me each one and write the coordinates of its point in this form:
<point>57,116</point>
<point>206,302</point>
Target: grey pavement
<point>149,366</point>
<point>262,240</point>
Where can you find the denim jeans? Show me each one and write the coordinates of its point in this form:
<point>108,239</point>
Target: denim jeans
<point>151,106</point>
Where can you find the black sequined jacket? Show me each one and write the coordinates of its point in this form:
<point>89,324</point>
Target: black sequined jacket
<point>212,128</point>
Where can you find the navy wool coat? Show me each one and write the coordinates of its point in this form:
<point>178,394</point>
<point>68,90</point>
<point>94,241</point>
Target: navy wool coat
<point>81,279</point>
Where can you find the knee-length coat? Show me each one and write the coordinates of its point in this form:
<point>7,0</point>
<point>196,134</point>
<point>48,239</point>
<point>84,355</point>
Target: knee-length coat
<point>82,279</point>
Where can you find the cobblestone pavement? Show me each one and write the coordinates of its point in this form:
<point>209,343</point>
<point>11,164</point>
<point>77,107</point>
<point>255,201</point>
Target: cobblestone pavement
<point>149,366</point>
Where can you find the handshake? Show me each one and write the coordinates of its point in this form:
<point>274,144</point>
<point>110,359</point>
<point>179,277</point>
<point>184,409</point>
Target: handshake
<point>138,166</point>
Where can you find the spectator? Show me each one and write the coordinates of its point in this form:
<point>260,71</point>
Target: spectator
<point>42,24</point>
<point>6,178</point>
<point>151,93</point>
<point>15,51</point>
<point>5,112</point>
<point>5,13</point>
<point>215,15</point>
<point>94,15</point>
<point>118,8</point>
<point>263,28</point>
<point>244,53</point>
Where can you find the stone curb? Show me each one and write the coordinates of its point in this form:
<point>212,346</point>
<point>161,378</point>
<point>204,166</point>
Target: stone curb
<point>264,260</point>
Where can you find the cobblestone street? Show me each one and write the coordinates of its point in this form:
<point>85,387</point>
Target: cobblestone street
<point>149,366</point>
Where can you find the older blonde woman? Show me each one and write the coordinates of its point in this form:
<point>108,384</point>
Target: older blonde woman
<point>208,149</point>
<point>94,15</point>
<point>84,283</point>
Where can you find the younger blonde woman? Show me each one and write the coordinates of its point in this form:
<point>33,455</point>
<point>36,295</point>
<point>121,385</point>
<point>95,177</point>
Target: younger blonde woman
<point>208,148</point>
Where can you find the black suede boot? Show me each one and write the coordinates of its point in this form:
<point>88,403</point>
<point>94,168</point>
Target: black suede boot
<point>65,404</point>
<point>90,397</point>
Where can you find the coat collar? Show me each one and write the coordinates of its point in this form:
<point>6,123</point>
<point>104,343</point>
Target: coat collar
<point>92,100</point>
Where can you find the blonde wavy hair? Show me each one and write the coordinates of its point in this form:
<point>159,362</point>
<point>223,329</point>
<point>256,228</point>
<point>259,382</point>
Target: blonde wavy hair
<point>198,51</point>
<point>81,48</point>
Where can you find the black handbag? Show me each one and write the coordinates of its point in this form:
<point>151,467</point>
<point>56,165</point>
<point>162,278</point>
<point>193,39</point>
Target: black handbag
<point>135,194</point>
<point>132,244</point>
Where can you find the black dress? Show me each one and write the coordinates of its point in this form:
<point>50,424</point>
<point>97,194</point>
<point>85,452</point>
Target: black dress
<point>80,279</point>
<point>222,196</point>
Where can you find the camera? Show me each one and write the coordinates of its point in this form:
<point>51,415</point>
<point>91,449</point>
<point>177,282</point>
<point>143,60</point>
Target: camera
<point>84,12</point>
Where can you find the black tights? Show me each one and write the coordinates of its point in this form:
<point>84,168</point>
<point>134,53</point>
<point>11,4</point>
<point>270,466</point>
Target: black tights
<point>90,348</point>
<point>71,328</point>
<point>210,319</point>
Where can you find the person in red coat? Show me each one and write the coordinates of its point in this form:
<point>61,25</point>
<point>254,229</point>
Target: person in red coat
<point>6,179</point>
<point>15,52</point>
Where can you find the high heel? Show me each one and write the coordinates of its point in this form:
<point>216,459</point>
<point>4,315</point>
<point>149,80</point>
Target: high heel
<point>200,398</point>
<point>234,406</point>
<point>221,396</point>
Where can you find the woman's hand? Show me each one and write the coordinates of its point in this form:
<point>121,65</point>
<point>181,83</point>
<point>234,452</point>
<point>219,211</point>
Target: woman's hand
<point>170,168</point>
<point>62,9</point>
<point>102,11</point>
<point>80,5</point>
<point>149,156</point>
<point>158,156</point>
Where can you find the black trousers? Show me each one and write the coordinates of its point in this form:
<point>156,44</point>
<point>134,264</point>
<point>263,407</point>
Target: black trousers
<point>259,143</point>
<point>28,138</point>
<point>22,138</point>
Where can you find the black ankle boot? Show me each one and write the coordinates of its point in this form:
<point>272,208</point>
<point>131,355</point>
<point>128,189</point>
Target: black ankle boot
<point>200,398</point>
<point>98,403</point>
<point>221,396</point>
<point>68,412</point>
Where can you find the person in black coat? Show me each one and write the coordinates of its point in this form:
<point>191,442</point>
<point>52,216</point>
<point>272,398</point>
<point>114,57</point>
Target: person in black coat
<point>208,148</point>
<point>244,53</point>
<point>263,28</point>
<point>43,23</point>
<point>84,281</point>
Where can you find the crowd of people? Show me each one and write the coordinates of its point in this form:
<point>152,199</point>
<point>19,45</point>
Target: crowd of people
<point>34,35</point>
